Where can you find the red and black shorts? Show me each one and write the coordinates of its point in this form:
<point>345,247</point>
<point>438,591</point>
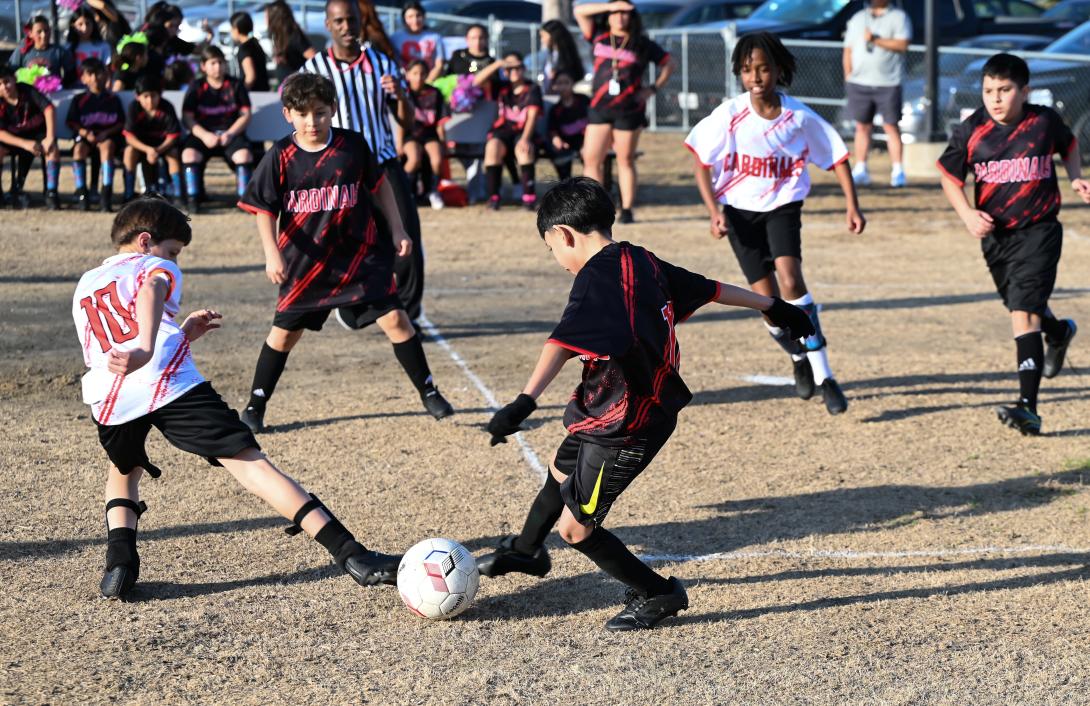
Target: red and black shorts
<point>598,474</point>
<point>352,316</point>
<point>619,118</point>
<point>199,422</point>
<point>1023,264</point>
<point>237,143</point>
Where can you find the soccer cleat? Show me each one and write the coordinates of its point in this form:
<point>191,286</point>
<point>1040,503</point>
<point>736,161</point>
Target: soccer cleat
<point>52,201</point>
<point>835,401</point>
<point>21,199</point>
<point>494,203</point>
<point>1056,350</point>
<point>83,201</point>
<point>107,202</point>
<point>436,201</point>
<point>117,582</point>
<point>192,206</point>
<point>897,179</point>
<point>254,419</point>
<point>1020,417</point>
<point>804,378</point>
<point>529,202</point>
<point>645,612</point>
<point>370,568</point>
<point>506,559</point>
<point>860,175</point>
<point>435,403</point>
<point>626,216</point>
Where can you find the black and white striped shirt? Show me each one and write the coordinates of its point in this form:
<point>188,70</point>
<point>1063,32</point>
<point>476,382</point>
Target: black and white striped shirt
<point>362,105</point>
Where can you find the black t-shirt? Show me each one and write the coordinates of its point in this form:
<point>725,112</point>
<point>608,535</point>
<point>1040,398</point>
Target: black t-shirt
<point>251,49</point>
<point>462,63</point>
<point>1014,177</point>
<point>26,118</point>
<point>569,121</point>
<point>334,252</point>
<point>153,129</point>
<point>430,110</point>
<point>216,109</point>
<point>513,108</point>
<point>620,319</point>
<point>293,56</point>
<point>626,59</point>
<point>95,112</point>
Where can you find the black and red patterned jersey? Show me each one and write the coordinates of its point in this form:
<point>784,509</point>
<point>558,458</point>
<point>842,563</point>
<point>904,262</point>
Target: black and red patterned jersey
<point>624,59</point>
<point>95,111</point>
<point>569,122</point>
<point>514,108</point>
<point>216,109</point>
<point>1013,173</point>
<point>26,117</point>
<point>430,110</point>
<point>620,319</point>
<point>153,129</point>
<point>332,248</point>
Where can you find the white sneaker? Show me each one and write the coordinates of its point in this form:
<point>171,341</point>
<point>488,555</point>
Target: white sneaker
<point>860,175</point>
<point>897,178</point>
<point>436,200</point>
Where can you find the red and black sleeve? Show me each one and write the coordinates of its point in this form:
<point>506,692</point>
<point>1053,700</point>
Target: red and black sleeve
<point>954,161</point>
<point>688,290</point>
<point>596,321</point>
<point>1063,141</point>
<point>264,193</point>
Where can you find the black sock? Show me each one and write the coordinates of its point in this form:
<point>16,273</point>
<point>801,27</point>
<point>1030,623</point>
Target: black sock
<point>542,516</point>
<point>494,176</point>
<point>612,556</point>
<point>563,170</point>
<point>22,169</point>
<point>526,175</point>
<point>337,540</point>
<point>410,354</point>
<point>1031,356</point>
<point>1053,328</point>
<point>151,175</point>
<point>270,366</point>
<point>121,549</point>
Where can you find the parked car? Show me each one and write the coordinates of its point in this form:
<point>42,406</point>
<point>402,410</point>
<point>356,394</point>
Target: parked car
<point>704,11</point>
<point>1068,13</point>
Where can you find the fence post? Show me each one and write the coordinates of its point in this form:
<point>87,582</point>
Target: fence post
<point>533,51</point>
<point>685,79</point>
<point>494,37</point>
<point>654,97</point>
<point>730,37</point>
<point>303,13</point>
<point>18,22</point>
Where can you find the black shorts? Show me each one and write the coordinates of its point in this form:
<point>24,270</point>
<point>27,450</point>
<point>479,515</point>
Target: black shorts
<point>619,119</point>
<point>199,422</point>
<point>237,143</point>
<point>1023,264</point>
<point>759,237</point>
<point>597,474</point>
<point>353,316</point>
<point>423,135</point>
<point>509,136</point>
<point>11,149</point>
<point>866,101</point>
<point>117,140</point>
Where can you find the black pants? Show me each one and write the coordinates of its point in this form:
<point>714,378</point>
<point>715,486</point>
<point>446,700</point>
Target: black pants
<point>408,270</point>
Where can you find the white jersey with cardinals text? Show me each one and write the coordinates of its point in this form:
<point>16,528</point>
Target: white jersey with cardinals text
<point>758,164</point>
<point>104,309</point>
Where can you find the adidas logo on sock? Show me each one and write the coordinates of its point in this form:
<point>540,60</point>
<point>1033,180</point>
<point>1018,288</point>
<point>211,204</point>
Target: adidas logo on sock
<point>1027,364</point>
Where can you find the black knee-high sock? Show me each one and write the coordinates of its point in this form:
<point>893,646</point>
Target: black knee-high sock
<point>337,540</point>
<point>121,549</point>
<point>542,516</point>
<point>612,556</point>
<point>1031,356</point>
<point>24,163</point>
<point>151,175</point>
<point>563,170</point>
<point>1053,328</point>
<point>494,176</point>
<point>410,354</point>
<point>270,366</point>
<point>526,175</point>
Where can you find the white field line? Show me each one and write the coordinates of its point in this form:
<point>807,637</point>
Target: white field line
<point>860,555</point>
<point>527,452</point>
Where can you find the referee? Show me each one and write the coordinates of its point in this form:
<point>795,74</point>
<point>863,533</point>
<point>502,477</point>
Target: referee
<point>369,87</point>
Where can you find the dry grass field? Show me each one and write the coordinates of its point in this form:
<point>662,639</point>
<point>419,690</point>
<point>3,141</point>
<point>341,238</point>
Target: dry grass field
<point>910,551</point>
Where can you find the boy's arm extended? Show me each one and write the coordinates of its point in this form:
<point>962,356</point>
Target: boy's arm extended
<point>776,310</point>
<point>150,301</point>
<point>387,203</point>
<point>507,420</point>
<point>275,269</point>
<point>856,221</point>
<point>703,175</point>
<point>978,223</point>
<point>1074,173</point>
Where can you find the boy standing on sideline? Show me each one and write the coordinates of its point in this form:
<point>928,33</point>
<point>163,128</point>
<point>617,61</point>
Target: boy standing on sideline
<point>620,321</point>
<point>1008,145</point>
<point>321,185</point>
<point>751,157</point>
<point>141,374</point>
<point>96,119</point>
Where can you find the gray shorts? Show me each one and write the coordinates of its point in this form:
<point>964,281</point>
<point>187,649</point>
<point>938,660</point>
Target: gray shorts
<point>866,101</point>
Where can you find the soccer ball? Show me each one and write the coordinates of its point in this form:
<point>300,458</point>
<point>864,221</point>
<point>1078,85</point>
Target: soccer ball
<point>437,578</point>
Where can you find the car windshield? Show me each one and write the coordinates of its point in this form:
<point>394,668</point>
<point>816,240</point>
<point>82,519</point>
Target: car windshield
<point>1077,41</point>
<point>1076,11</point>
<point>807,11</point>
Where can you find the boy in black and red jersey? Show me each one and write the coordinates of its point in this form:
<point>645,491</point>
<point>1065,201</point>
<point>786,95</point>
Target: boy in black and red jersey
<point>216,109</point>
<point>322,185</point>
<point>1008,145</point>
<point>95,118</point>
<point>152,132</point>
<point>567,123</point>
<point>425,139</point>
<point>519,104</point>
<point>27,130</point>
<point>620,321</point>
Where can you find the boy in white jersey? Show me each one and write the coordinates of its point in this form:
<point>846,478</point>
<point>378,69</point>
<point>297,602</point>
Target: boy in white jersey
<point>751,156</point>
<point>142,375</point>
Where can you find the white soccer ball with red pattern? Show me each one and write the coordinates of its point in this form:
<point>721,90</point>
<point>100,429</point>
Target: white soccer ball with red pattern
<point>437,578</point>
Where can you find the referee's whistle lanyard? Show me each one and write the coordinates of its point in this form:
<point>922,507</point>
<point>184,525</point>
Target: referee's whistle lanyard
<point>614,82</point>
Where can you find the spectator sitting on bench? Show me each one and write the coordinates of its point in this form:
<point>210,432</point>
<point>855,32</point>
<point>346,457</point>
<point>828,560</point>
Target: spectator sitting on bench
<point>519,103</point>
<point>427,135</point>
<point>130,62</point>
<point>152,133</point>
<point>27,130</point>
<point>567,123</point>
<point>96,119</point>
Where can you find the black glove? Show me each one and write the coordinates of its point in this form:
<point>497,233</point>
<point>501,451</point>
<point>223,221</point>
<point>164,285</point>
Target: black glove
<point>506,422</point>
<point>790,317</point>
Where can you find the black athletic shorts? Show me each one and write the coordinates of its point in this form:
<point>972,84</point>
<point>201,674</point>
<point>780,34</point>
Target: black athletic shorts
<point>237,143</point>
<point>118,140</point>
<point>759,237</point>
<point>354,316</point>
<point>1023,264</point>
<point>864,102</point>
<point>11,149</point>
<point>423,135</point>
<point>597,474</point>
<point>510,137</point>
<point>199,422</point>
<point>619,119</point>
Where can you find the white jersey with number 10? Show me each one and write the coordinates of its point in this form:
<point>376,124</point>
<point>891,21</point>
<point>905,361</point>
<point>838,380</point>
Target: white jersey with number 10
<point>104,309</point>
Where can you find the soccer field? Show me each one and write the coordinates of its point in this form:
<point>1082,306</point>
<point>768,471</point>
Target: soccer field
<point>912,550</point>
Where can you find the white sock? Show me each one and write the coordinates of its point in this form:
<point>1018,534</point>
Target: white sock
<point>898,168</point>
<point>819,359</point>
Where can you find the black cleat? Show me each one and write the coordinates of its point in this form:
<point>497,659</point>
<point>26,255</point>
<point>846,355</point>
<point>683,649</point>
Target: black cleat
<point>52,201</point>
<point>804,378</point>
<point>626,216</point>
<point>254,419</point>
<point>436,404</point>
<point>21,200</point>
<point>370,568</point>
<point>644,613</point>
<point>5,200</point>
<point>117,582</point>
<point>835,401</point>
<point>506,559</point>
<point>192,206</point>
<point>1056,350</point>
<point>1020,417</point>
<point>83,201</point>
<point>494,203</point>
<point>106,203</point>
